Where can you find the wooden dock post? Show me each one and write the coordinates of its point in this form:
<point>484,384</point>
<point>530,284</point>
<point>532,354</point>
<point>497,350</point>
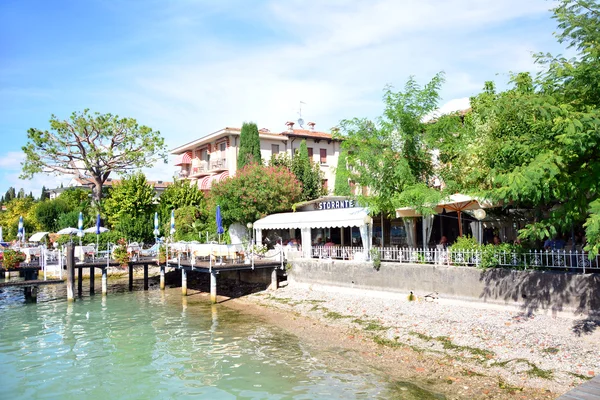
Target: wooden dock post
<point>70,272</point>
<point>274,283</point>
<point>92,281</point>
<point>213,287</point>
<point>79,281</point>
<point>162,277</point>
<point>145,276</point>
<point>104,281</point>
<point>130,266</point>
<point>183,281</point>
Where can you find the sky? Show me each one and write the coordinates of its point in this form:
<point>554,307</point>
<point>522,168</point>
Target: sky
<point>191,67</point>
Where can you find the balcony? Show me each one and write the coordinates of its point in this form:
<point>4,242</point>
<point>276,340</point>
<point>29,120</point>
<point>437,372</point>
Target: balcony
<point>218,164</point>
<point>199,168</point>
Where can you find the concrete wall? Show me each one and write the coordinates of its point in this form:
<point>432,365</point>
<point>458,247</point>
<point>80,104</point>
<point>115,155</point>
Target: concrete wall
<point>531,290</point>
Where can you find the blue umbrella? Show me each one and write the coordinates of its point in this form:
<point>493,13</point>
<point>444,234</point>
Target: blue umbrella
<point>220,229</point>
<point>20,229</point>
<point>80,225</point>
<point>156,230</point>
<point>98,224</point>
<point>172,231</point>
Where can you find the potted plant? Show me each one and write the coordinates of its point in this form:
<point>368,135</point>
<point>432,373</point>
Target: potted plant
<point>120,253</point>
<point>162,254</point>
<point>12,258</point>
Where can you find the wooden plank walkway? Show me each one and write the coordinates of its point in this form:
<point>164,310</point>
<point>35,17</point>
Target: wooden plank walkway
<point>205,266</point>
<point>38,282</point>
<point>586,391</point>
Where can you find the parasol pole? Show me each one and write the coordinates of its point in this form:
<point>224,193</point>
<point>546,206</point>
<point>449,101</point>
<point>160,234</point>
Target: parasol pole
<point>460,230</point>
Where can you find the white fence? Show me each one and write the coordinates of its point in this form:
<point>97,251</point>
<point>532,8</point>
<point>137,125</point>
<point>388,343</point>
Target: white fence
<point>577,261</point>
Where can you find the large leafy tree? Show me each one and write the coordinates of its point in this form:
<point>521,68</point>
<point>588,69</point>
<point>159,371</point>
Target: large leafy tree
<point>129,208</point>
<point>91,146</point>
<point>249,151</point>
<point>535,144</point>
<point>254,192</point>
<point>9,219</point>
<point>48,213</point>
<point>390,155</point>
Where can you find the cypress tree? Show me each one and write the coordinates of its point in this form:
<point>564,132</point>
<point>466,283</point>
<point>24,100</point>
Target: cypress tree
<point>249,145</point>
<point>342,186</point>
<point>21,194</point>
<point>44,195</point>
<point>307,173</point>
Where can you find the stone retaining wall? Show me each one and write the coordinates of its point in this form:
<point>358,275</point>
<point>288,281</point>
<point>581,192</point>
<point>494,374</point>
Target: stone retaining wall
<point>533,291</point>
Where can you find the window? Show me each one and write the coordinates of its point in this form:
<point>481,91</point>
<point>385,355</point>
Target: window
<point>204,154</point>
<point>324,184</point>
<point>310,153</point>
<point>323,156</point>
<point>223,147</point>
<point>274,149</point>
<point>352,188</point>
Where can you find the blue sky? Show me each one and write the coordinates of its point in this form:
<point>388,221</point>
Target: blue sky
<point>188,68</point>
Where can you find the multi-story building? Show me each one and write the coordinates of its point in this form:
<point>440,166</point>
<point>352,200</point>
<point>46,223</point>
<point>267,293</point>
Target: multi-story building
<point>214,156</point>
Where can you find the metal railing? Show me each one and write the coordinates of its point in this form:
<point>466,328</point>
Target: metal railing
<point>576,261</point>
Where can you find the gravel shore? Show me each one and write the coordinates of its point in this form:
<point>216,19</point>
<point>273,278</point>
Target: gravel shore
<point>544,354</point>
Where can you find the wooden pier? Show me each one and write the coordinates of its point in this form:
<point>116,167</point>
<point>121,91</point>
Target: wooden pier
<point>183,265</point>
<point>589,390</point>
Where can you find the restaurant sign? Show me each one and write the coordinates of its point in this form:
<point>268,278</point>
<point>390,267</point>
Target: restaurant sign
<point>332,204</point>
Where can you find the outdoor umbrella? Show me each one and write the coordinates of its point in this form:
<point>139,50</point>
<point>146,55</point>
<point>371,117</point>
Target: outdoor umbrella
<point>156,230</point>
<point>80,226</point>
<point>98,229</point>
<point>459,203</point>
<point>21,230</point>
<point>68,231</point>
<point>172,230</point>
<point>220,229</point>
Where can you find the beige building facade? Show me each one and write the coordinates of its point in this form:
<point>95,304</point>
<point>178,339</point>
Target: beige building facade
<point>213,157</point>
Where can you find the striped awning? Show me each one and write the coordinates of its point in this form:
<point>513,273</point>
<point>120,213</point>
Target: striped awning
<point>206,182</point>
<point>185,158</point>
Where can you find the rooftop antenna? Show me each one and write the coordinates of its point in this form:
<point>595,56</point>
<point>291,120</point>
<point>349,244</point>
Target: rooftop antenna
<point>300,120</point>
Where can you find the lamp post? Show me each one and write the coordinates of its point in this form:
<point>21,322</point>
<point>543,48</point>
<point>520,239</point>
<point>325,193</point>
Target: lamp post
<point>479,215</point>
<point>250,225</point>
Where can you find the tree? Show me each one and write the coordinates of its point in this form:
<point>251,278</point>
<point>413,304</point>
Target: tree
<point>129,208</point>
<point>178,196</point>
<point>342,177</point>
<point>307,173</point>
<point>254,192</point>
<point>10,194</point>
<point>9,219</point>
<point>44,194</point>
<point>91,146</point>
<point>402,158</point>
<point>249,151</point>
<point>48,214</point>
<point>21,194</point>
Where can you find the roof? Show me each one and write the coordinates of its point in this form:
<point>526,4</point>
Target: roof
<point>111,182</point>
<point>263,134</point>
<point>336,218</point>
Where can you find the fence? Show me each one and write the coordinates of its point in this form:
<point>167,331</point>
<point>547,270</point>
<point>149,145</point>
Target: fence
<point>577,261</point>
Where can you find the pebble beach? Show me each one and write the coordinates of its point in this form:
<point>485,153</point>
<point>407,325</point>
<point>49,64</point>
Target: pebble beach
<point>477,350</point>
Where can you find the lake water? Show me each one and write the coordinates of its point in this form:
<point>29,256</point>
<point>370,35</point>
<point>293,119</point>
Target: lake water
<point>156,345</point>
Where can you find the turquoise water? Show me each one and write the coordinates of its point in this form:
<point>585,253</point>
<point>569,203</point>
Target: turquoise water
<point>156,345</point>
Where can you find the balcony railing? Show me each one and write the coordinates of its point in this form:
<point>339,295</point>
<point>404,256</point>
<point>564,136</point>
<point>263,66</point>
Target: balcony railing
<point>218,164</point>
<point>199,167</point>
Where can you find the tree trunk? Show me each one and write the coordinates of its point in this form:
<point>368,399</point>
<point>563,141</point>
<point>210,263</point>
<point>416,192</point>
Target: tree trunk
<point>97,194</point>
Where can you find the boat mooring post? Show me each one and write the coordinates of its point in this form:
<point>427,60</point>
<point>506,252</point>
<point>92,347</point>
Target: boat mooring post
<point>183,281</point>
<point>104,281</point>
<point>213,287</point>
<point>162,277</point>
<point>70,272</point>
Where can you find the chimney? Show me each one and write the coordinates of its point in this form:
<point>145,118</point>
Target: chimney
<point>290,126</point>
<point>311,126</point>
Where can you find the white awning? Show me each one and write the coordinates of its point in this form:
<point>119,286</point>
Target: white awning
<point>37,237</point>
<point>337,218</point>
